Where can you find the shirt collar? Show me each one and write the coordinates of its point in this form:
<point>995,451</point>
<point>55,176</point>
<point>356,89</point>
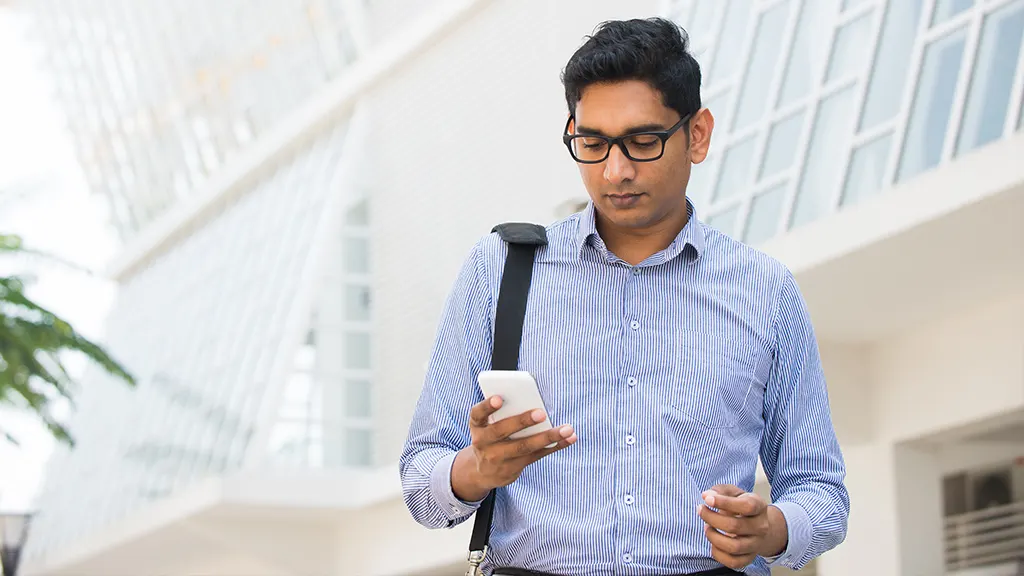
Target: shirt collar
<point>691,235</point>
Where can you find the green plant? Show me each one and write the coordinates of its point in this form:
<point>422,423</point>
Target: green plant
<point>32,340</point>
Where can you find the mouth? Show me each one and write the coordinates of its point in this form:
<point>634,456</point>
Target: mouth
<point>624,200</point>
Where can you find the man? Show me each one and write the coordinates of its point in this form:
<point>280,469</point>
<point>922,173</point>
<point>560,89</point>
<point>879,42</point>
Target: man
<point>669,357</point>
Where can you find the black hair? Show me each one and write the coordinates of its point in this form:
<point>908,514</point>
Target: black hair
<point>654,50</point>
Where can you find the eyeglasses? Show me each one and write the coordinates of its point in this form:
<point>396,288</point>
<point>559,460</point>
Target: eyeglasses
<point>638,146</point>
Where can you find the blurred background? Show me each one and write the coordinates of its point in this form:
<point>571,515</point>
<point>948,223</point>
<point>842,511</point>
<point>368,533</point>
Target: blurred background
<point>257,209</point>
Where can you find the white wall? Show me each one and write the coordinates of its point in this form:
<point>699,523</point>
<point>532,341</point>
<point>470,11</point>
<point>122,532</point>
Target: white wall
<point>960,369</point>
<point>903,409</point>
<point>466,135</point>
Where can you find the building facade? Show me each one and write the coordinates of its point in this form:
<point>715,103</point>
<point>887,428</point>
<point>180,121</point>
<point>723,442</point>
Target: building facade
<point>296,184</point>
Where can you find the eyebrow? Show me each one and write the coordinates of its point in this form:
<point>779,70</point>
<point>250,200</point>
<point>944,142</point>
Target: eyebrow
<point>630,130</point>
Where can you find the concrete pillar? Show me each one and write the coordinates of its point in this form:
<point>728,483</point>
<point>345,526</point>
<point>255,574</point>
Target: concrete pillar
<point>871,545</point>
<point>919,511</point>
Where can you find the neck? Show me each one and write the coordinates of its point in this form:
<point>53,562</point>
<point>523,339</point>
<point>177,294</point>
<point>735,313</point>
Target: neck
<point>634,245</point>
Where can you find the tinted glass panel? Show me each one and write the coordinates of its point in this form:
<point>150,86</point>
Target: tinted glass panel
<point>867,168</point>
<point>933,102</point>
<point>889,70</point>
<point>765,211</point>
<point>826,157</point>
<point>989,100</point>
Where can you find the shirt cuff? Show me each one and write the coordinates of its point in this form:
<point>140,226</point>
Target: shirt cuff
<point>441,488</point>
<point>799,531</point>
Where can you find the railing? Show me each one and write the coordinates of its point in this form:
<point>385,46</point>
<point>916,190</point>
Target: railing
<point>990,536</point>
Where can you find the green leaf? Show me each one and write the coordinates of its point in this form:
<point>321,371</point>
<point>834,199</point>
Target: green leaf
<point>32,341</point>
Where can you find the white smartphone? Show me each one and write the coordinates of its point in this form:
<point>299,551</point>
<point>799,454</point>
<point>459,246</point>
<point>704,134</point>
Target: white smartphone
<point>519,393</point>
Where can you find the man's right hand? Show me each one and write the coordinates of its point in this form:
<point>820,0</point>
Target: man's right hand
<point>493,459</point>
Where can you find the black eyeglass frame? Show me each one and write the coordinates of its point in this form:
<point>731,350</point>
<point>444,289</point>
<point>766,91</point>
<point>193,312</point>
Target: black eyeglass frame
<point>619,141</point>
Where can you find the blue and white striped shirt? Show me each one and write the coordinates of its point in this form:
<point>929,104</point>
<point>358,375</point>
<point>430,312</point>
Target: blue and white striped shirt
<point>676,374</point>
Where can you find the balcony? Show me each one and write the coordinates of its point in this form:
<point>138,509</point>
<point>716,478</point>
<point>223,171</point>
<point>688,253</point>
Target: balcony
<point>986,537</point>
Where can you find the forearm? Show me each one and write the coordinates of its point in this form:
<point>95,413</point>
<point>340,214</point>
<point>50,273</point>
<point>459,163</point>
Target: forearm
<point>775,542</point>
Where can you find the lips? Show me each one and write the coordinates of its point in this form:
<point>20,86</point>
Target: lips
<point>624,200</point>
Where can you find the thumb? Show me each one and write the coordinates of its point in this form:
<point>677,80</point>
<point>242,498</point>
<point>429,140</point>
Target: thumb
<point>726,490</point>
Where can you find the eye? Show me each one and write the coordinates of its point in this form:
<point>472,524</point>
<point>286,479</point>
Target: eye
<point>644,141</point>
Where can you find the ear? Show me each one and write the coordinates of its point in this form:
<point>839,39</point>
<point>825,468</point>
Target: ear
<point>570,124</point>
<point>701,126</point>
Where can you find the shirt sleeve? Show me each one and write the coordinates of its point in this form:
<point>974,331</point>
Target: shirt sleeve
<point>799,450</point>
<point>440,423</point>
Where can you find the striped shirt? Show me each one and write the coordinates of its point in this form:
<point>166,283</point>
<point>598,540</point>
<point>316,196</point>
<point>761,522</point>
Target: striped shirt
<point>676,374</point>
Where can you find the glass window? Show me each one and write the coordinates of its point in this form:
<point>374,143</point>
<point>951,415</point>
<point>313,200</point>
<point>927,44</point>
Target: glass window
<point>357,350</point>
<point>358,398</point>
<point>989,100</point>
<point>358,215</point>
<point>735,174</point>
<point>720,107</point>
<point>699,186</point>
<point>357,255</point>
<point>701,20</point>
<point>1020,116</point>
<point>782,143</point>
<point>295,403</point>
<point>850,50</point>
<point>867,168</point>
<point>358,447</point>
<point>762,65</point>
<point>946,9</point>
<point>826,157</point>
<point>725,221</point>
<point>810,47</point>
<point>727,57</point>
<point>765,210</point>
<point>357,303</point>
<point>889,70</point>
<point>933,102</point>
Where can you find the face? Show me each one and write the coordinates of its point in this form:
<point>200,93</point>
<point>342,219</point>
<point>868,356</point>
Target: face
<point>639,196</point>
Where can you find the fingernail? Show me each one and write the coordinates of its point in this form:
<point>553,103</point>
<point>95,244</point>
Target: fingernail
<point>709,500</point>
<point>496,402</point>
<point>571,439</point>
<point>538,415</point>
<point>565,431</point>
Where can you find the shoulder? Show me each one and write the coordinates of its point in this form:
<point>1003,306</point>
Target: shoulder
<point>746,267</point>
<point>491,249</point>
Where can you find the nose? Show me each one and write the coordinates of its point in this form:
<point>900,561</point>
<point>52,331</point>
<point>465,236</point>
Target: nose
<point>617,167</point>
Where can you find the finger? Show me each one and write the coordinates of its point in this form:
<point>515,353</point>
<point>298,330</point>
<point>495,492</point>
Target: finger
<point>730,561</point>
<point>730,523</point>
<point>506,427</point>
<point>727,489</point>
<point>527,447</point>
<point>745,504</point>
<point>480,412</point>
<point>561,445</point>
<point>731,545</point>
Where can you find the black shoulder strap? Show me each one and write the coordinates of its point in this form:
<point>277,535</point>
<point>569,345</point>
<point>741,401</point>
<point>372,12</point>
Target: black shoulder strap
<point>523,240</point>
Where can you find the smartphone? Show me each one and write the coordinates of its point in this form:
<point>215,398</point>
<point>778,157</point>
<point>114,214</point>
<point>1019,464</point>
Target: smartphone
<point>519,393</point>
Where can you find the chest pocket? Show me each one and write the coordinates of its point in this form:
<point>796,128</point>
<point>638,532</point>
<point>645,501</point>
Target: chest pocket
<point>713,379</point>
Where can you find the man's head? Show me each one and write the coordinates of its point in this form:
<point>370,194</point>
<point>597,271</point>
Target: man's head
<point>632,77</point>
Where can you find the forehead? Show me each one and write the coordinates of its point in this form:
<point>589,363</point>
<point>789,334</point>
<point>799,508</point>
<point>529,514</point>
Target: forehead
<point>619,105</point>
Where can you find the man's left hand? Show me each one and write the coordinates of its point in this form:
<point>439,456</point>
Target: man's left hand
<point>743,527</point>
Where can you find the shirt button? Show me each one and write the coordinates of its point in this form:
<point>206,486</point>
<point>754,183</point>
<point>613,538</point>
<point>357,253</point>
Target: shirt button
<point>636,271</point>
<point>628,500</point>
<point>631,381</point>
<point>630,440</point>
<point>634,325</point>
<point>627,558</point>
